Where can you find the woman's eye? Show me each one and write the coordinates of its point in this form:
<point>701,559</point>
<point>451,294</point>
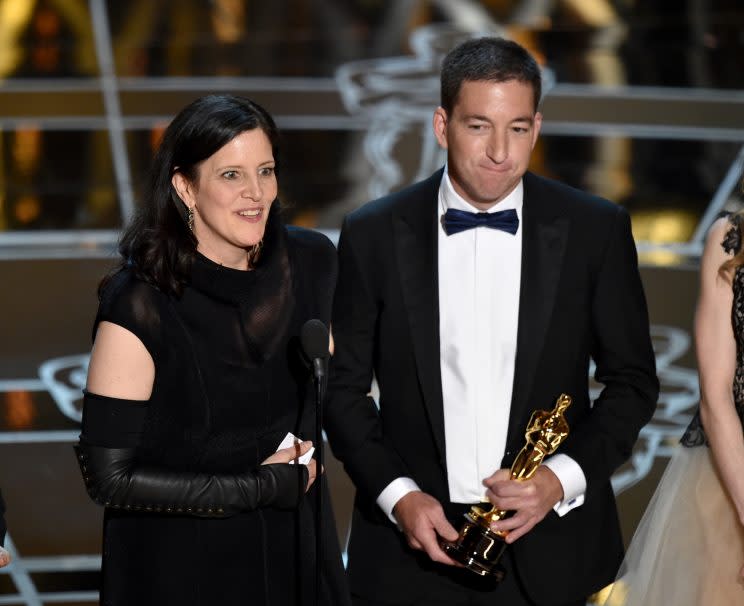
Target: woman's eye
<point>230,174</point>
<point>266,171</point>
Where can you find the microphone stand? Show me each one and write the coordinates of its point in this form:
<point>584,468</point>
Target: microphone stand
<point>318,376</point>
<point>314,338</point>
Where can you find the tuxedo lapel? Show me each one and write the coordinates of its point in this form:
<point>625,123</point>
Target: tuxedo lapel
<point>543,245</point>
<point>415,240</point>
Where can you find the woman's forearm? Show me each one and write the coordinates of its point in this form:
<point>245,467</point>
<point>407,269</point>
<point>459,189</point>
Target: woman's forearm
<point>724,431</point>
<point>114,478</point>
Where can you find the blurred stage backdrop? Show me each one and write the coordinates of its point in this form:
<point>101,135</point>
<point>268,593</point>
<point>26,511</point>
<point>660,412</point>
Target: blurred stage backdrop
<point>644,105</point>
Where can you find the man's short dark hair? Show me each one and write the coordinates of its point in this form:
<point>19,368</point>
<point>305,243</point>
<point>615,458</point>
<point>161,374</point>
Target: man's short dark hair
<point>487,59</point>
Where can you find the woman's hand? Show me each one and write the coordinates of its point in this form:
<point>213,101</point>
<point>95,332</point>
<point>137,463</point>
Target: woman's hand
<point>4,557</point>
<point>285,455</point>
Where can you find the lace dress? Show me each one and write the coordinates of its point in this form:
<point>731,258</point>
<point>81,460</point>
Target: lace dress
<point>688,548</point>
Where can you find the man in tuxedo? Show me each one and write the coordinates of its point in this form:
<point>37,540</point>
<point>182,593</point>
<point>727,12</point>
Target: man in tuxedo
<point>474,298</point>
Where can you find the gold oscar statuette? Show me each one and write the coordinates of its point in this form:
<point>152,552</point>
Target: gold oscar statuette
<point>478,548</point>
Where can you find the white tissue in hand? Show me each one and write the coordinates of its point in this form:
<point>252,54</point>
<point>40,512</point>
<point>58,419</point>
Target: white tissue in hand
<point>290,440</point>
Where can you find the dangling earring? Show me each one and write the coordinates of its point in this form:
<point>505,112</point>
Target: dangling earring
<point>254,251</point>
<point>190,218</point>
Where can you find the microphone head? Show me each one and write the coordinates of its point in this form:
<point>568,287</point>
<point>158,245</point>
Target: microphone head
<point>314,338</point>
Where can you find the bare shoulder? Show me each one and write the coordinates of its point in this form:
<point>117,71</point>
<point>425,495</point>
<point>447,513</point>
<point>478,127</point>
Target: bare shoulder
<point>120,364</point>
<point>719,229</point>
<point>716,242</point>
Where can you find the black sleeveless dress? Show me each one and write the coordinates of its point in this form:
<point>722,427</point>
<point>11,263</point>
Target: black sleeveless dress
<point>230,382</point>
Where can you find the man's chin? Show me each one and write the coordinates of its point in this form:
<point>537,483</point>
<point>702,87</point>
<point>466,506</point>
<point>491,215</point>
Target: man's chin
<point>489,198</point>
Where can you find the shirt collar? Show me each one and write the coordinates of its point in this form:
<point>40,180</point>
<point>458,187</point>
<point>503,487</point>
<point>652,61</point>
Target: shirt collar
<point>449,198</point>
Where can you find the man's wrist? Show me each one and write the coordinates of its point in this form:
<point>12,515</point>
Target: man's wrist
<point>572,480</point>
<point>394,492</point>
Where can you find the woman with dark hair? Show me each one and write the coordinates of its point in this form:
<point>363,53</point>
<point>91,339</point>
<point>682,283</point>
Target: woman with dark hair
<point>688,549</point>
<point>196,377</point>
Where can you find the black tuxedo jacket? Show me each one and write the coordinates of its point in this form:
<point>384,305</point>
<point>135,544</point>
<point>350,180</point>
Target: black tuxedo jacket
<point>581,296</point>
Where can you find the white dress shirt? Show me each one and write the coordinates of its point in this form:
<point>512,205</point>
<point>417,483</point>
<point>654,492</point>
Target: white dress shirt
<point>479,284</point>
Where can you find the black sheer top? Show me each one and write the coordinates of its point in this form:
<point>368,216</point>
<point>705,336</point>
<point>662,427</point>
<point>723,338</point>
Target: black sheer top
<point>230,382</point>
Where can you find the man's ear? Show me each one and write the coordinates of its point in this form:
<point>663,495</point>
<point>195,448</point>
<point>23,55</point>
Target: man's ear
<point>184,189</point>
<point>439,123</point>
<point>536,125</point>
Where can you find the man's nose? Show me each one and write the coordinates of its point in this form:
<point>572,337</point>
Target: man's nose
<point>498,148</point>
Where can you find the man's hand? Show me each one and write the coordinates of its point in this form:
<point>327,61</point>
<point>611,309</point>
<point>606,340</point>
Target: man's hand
<point>422,520</point>
<point>531,499</point>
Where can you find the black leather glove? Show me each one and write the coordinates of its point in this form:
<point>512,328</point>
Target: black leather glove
<point>115,479</point>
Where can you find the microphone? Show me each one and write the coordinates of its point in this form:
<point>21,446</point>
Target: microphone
<point>314,338</point>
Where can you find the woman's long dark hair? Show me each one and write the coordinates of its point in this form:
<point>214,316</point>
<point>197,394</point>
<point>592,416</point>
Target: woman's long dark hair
<point>158,244</point>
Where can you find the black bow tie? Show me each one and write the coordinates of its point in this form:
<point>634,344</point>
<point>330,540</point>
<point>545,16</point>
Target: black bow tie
<point>455,221</point>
